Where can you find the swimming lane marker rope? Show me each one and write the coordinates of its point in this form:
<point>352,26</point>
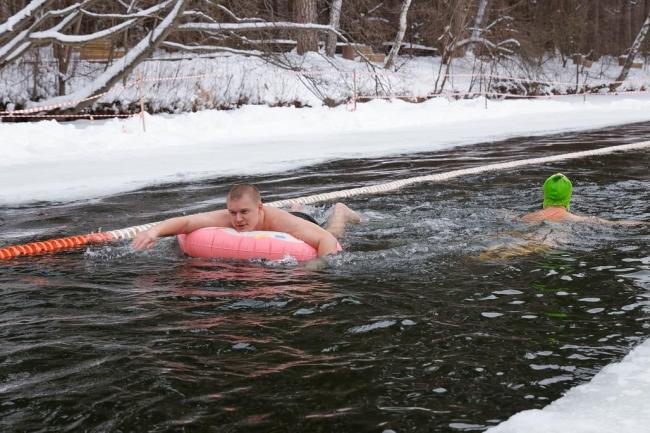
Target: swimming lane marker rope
<point>130,232</point>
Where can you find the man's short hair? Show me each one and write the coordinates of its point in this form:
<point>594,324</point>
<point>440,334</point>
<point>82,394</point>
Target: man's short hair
<point>241,189</point>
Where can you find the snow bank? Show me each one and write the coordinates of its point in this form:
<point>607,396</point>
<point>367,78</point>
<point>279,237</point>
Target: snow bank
<point>615,400</point>
<point>87,159</point>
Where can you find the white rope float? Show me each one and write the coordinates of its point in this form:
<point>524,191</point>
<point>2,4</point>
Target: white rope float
<point>439,177</point>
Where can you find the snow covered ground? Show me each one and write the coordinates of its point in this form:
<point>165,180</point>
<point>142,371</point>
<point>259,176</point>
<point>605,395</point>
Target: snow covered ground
<point>67,161</point>
<point>615,400</point>
<point>175,84</point>
<point>86,159</point>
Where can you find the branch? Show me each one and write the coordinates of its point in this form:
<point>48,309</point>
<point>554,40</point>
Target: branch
<point>141,14</point>
<point>209,49</point>
<point>235,17</point>
<point>258,26</point>
<point>20,18</point>
<point>497,21</point>
<point>21,43</point>
<point>54,35</point>
<point>199,14</point>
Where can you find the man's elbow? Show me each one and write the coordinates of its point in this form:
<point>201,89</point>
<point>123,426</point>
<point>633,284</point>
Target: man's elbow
<point>327,247</point>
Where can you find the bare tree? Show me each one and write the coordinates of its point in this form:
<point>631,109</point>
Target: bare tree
<point>125,65</point>
<point>335,18</point>
<point>592,41</point>
<point>399,37</point>
<point>625,29</point>
<point>633,51</point>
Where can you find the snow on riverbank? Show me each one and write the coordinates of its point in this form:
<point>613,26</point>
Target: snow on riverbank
<point>615,400</point>
<point>85,159</point>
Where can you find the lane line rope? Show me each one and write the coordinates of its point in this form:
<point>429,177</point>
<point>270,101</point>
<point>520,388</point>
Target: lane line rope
<point>127,233</point>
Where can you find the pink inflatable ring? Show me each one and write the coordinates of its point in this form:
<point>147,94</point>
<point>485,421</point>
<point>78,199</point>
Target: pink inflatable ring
<point>227,243</point>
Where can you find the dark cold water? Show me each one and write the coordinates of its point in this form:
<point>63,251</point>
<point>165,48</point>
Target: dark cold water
<point>430,321</point>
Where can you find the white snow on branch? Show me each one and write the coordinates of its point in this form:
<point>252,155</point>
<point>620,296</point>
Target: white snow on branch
<point>235,17</point>
<point>257,26</point>
<point>53,35</point>
<point>24,14</point>
<point>9,46</point>
<point>210,49</point>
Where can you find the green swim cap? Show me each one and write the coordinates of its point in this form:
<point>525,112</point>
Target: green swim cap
<point>557,191</point>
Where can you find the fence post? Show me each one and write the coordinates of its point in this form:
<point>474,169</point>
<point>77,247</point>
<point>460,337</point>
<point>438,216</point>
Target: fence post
<point>352,103</point>
<point>141,95</point>
<point>354,88</point>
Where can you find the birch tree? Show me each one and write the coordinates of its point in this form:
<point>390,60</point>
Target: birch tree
<point>399,37</point>
<point>633,51</point>
<point>478,22</point>
<point>335,18</point>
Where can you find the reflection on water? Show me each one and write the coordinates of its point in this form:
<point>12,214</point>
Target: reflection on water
<point>442,314</point>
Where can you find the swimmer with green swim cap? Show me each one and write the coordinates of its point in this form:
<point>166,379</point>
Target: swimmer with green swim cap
<point>557,200</point>
<point>557,191</point>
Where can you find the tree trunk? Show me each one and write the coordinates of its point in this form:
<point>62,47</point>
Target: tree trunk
<point>335,18</point>
<point>626,24</point>
<point>306,13</point>
<point>478,21</point>
<point>397,43</point>
<point>593,31</point>
<point>281,10</point>
<point>634,49</point>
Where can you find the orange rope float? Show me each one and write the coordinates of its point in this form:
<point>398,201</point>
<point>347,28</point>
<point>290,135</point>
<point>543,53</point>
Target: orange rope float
<point>53,245</point>
<point>68,242</point>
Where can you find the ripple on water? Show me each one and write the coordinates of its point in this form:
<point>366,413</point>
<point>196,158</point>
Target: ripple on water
<point>408,330</point>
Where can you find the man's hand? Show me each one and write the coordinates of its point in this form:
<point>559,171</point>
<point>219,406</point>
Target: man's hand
<point>144,240</point>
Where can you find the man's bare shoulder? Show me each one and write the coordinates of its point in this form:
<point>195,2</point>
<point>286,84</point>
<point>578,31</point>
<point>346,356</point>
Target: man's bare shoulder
<point>553,215</point>
<point>278,220</point>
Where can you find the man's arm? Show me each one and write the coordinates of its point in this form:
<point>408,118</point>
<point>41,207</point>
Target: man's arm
<point>178,225</point>
<point>320,239</point>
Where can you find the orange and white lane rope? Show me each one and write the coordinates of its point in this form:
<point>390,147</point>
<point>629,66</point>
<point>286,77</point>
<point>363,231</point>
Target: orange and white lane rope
<point>130,232</point>
<point>58,244</point>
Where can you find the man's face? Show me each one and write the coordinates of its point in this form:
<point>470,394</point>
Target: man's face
<point>244,213</point>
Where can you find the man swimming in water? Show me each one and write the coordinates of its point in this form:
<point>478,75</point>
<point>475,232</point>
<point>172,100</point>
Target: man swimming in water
<point>246,212</point>
<point>557,201</point>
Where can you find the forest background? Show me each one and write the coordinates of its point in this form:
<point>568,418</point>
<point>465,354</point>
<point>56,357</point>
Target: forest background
<point>68,55</point>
